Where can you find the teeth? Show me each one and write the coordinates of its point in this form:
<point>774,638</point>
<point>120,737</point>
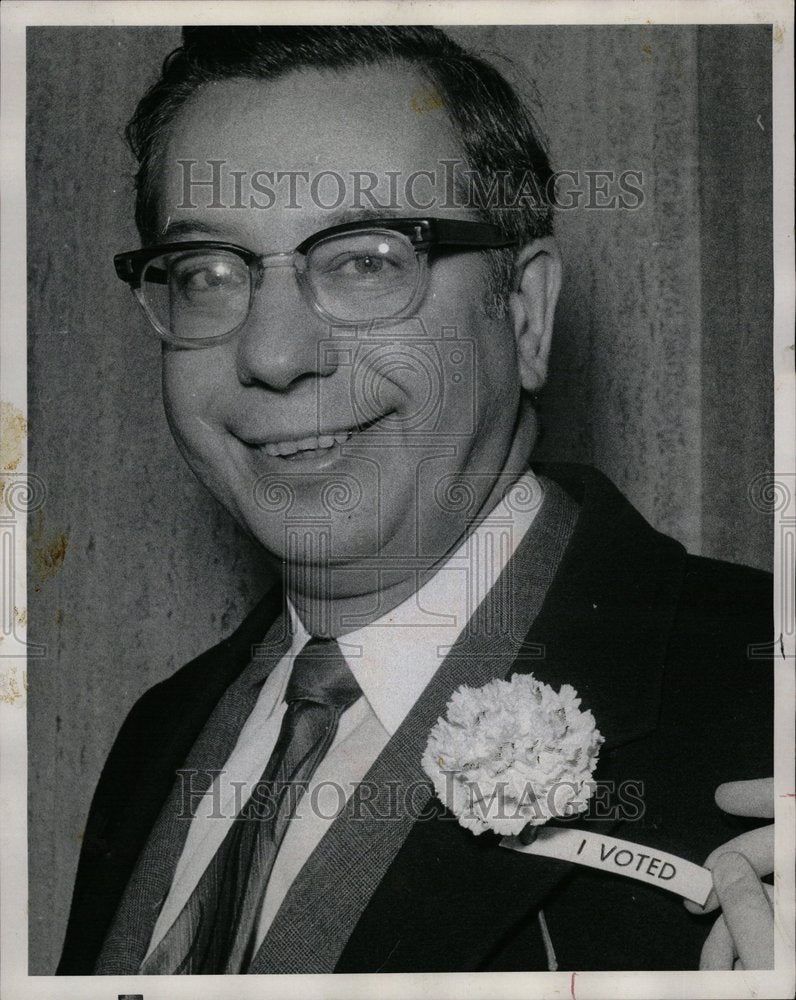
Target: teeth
<point>285,448</point>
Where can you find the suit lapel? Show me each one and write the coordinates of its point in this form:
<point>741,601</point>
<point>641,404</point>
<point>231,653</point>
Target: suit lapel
<point>325,902</point>
<point>608,615</point>
<point>127,941</point>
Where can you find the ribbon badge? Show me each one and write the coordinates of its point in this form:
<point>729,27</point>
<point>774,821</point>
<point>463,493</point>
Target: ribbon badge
<point>513,755</point>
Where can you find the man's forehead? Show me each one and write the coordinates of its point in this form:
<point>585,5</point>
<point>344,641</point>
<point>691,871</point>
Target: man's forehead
<point>371,118</point>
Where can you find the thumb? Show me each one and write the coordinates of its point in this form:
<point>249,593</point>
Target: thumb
<point>746,910</point>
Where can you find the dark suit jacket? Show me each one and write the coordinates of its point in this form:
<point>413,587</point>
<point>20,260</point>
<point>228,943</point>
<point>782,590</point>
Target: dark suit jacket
<point>670,653</point>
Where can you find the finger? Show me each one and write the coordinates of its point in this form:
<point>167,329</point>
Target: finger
<point>746,910</point>
<point>747,798</point>
<point>757,846</point>
<point>718,951</point>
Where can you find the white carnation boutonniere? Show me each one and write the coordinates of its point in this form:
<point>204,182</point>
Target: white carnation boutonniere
<point>513,755</point>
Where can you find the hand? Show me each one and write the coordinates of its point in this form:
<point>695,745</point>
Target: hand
<point>743,936</point>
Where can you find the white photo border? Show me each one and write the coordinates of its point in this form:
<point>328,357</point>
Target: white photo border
<point>15,17</point>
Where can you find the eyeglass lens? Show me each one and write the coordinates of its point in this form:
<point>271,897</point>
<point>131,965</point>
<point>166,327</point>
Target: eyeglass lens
<point>196,294</point>
<point>354,277</point>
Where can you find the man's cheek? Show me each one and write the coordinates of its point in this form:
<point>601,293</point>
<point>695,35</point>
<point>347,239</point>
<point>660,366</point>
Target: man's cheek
<point>179,421</point>
<point>186,399</point>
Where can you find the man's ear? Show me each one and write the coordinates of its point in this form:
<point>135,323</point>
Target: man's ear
<point>532,304</point>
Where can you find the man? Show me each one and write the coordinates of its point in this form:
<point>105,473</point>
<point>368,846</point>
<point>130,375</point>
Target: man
<point>354,383</point>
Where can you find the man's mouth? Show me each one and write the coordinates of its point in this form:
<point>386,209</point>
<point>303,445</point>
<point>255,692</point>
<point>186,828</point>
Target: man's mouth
<point>313,443</point>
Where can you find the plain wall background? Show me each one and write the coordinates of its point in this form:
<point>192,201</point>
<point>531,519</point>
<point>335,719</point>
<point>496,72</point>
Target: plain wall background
<point>661,367</point>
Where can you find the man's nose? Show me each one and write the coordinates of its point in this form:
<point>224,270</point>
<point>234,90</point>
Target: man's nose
<point>282,338</point>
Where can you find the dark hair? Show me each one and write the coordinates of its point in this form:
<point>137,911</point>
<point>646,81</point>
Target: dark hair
<point>498,135</point>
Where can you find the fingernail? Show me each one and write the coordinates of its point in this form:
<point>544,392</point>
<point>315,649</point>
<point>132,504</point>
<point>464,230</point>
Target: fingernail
<point>729,868</point>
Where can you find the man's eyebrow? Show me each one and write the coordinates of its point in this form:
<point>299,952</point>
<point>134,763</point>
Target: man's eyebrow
<point>184,227</point>
<point>344,215</point>
<point>188,227</point>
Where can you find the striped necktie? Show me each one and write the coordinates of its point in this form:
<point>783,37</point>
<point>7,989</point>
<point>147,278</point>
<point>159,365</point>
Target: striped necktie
<point>216,931</point>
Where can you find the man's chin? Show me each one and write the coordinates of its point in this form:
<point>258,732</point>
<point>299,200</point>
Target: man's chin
<point>304,552</point>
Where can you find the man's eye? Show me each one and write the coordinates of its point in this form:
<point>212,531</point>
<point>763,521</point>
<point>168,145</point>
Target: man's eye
<point>366,264</point>
<point>194,278</point>
<point>362,265</point>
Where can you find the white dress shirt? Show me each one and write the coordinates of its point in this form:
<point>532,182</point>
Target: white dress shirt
<point>392,659</point>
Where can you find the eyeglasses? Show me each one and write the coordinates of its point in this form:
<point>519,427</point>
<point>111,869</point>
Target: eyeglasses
<point>199,293</point>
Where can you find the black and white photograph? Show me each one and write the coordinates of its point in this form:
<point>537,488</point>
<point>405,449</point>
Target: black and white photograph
<point>398,499</point>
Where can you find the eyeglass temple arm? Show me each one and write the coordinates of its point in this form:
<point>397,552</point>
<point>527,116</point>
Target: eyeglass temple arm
<point>455,232</point>
<point>132,275</point>
<point>157,276</point>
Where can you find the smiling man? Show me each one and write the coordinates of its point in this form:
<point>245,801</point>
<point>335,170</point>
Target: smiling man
<point>349,362</point>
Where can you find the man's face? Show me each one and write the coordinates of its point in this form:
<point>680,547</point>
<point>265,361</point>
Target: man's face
<point>440,391</point>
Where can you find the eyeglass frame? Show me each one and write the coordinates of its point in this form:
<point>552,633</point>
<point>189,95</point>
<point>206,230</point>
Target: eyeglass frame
<point>424,234</point>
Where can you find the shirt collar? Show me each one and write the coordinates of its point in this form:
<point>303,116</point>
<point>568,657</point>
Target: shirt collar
<point>395,657</point>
